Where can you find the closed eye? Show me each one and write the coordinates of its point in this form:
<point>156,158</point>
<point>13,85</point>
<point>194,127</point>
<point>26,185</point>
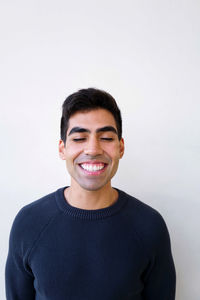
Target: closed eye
<point>107,139</point>
<point>79,140</point>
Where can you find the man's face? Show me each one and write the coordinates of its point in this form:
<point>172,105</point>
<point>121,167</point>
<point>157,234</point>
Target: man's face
<point>92,149</point>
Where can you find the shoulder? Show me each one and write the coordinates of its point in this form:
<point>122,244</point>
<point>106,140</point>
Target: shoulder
<point>146,221</point>
<point>31,220</point>
<point>140,210</point>
<point>38,210</point>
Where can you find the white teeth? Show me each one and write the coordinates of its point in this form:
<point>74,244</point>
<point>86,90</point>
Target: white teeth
<point>92,167</point>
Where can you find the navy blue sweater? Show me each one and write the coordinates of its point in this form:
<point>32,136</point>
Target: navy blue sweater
<point>60,252</point>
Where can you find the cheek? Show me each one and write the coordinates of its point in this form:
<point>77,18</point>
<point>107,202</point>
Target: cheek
<point>73,151</point>
<point>113,152</point>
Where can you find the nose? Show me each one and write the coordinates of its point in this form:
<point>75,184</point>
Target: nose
<point>93,147</point>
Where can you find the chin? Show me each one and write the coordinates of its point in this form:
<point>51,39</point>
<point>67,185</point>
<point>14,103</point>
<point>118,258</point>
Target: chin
<point>92,187</point>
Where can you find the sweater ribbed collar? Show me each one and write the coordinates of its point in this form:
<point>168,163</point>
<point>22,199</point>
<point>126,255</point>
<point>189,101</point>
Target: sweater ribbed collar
<point>89,214</point>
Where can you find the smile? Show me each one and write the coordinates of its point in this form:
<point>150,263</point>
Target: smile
<point>93,168</point>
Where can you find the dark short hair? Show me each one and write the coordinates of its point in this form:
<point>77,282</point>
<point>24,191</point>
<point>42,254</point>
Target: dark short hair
<point>87,100</point>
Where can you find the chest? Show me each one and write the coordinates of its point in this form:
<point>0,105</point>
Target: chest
<point>81,261</point>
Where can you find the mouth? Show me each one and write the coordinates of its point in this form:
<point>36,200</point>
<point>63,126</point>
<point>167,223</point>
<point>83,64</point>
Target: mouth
<point>93,168</point>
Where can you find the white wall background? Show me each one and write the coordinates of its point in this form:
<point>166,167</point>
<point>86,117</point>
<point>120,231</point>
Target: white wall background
<point>146,54</point>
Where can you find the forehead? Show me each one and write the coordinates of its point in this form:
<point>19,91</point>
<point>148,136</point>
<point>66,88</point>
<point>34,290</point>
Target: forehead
<point>92,119</point>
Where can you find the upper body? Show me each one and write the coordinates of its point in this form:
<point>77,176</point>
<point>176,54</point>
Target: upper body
<point>121,252</point>
<point>90,241</point>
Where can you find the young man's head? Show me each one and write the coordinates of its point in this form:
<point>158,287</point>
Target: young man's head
<point>91,142</point>
<point>86,100</point>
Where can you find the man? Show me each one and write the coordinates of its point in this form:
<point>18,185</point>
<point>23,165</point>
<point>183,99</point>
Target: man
<point>90,241</point>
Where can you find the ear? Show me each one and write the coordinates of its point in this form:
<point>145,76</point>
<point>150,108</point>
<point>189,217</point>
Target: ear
<point>61,149</point>
<point>121,147</point>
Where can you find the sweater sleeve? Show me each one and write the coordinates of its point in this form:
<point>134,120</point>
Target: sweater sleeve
<point>160,276</point>
<point>19,278</point>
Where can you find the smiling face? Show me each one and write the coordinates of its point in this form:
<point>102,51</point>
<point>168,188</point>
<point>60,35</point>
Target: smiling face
<point>92,149</point>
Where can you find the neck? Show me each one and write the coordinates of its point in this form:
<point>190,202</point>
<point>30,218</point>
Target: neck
<point>78,197</point>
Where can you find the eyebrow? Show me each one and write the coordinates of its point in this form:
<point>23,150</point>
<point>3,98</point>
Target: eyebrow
<point>102,129</point>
